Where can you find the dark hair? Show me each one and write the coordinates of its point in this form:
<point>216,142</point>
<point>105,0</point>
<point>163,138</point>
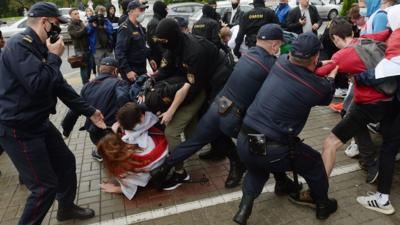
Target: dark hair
<point>71,10</point>
<point>354,12</point>
<point>129,115</point>
<point>108,10</point>
<point>341,28</point>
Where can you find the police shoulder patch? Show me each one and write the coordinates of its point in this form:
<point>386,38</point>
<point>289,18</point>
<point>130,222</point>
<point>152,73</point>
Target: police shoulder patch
<point>135,33</point>
<point>28,39</point>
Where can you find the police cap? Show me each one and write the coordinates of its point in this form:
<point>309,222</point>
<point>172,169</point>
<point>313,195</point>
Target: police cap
<point>306,45</point>
<point>109,61</point>
<point>46,9</point>
<point>270,31</point>
<point>136,4</point>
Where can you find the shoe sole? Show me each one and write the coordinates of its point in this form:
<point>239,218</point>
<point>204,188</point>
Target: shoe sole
<point>177,185</point>
<point>386,212</point>
<point>311,205</point>
<point>97,159</point>
<point>374,179</point>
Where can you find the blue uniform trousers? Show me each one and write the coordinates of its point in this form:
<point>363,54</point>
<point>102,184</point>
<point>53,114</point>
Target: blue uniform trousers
<point>47,168</point>
<point>308,164</point>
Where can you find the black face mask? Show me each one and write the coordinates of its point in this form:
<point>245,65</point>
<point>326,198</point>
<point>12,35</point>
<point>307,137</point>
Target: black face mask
<point>235,5</point>
<point>54,33</point>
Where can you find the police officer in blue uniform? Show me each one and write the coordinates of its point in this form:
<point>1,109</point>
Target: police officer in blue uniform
<point>131,49</point>
<point>251,22</point>
<point>224,117</point>
<point>30,83</point>
<point>107,93</point>
<point>274,119</point>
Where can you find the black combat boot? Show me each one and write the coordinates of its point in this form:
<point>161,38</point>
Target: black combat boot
<point>326,208</point>
<point>245,207</point>
<point>74,212</point>
<point>284,185</point>
<point>236,171</point>
<point>159,175</point>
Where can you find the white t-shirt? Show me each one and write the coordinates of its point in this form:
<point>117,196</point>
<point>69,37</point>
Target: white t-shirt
<point>308,26</point>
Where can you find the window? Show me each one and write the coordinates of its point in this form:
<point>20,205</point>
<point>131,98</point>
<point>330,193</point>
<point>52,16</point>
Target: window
<point>183,9</point>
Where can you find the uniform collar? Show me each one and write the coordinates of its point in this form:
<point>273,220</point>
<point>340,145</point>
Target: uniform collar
<point>259,49</point>
<point>103,76</point>
<point>36,40</point>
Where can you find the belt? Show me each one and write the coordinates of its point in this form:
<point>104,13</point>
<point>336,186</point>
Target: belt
<point>270,143</point>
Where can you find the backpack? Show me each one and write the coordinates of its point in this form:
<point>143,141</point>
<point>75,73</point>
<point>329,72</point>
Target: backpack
<point>371,53</point>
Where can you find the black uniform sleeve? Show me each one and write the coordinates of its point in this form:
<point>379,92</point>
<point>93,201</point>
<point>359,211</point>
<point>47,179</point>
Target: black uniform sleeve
<point>328,88</point>
<point>69,97</point>
<point>242,31</point>
<point>36,76</point>
<point>69,122</point>
<point>122,93</point>
<point>215,35</point>
<point>292,20</point>
<point>151,30</point>
<point>122,48</point>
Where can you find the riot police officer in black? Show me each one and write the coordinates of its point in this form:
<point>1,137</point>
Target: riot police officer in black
<point>207,27</point>
<point>251,23</point>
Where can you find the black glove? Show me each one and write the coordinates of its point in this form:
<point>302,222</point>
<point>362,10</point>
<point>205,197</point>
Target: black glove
<point>236,51</point>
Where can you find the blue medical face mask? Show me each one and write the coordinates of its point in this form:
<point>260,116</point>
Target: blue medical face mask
<point>363,12</point>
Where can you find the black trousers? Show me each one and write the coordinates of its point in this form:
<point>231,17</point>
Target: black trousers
<point>47,168</point>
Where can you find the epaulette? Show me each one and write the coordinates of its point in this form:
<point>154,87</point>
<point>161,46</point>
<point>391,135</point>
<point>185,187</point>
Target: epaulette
<point>27,38</point>
<point>124,24</point>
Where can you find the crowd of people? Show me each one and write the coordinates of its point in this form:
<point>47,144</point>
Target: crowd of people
<point>196,88</point>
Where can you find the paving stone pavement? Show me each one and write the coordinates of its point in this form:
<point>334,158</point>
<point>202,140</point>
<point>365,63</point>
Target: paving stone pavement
<point>268,209</point>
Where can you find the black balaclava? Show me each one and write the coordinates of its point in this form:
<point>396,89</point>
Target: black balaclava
<point>259,3</point>
<point>160,8</point>
<point>169,34</point>
<point>208,11</point>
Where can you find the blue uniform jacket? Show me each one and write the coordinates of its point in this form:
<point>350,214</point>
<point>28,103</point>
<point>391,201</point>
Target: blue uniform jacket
<point>248,76</point>
<point>106,93</point>
<point>131,50</point>
<point>285,100</point>
<point>30,83</point>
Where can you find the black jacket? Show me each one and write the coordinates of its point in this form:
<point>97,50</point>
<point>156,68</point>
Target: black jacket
<point>80,38</point>
<point>208,28</point>
<point>292,19</point>
<point>200,62</point>
<point>31,82</point>
<point>226,18</point>
<point>251,23</point>
<point>106,93</point>
<point>131,50</point>
<point>156,52</point>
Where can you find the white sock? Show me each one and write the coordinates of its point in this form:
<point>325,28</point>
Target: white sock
<point>382,199</point>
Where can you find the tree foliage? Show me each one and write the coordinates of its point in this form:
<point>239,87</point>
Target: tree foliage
<point>346,6</point>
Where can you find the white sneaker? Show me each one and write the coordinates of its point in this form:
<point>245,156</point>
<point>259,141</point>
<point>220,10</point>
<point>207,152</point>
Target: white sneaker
<point>352,150</point>
<point>371,202</point>
<point>340,93</point>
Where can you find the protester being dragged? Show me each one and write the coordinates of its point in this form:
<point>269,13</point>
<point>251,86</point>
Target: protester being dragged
<point>132,151</point>
<point>100,32</point>
<point>371,104</point>
<point>106,92</point>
